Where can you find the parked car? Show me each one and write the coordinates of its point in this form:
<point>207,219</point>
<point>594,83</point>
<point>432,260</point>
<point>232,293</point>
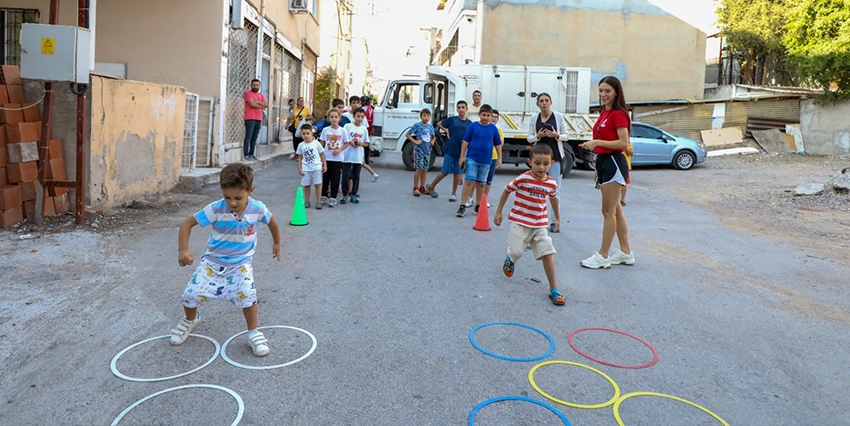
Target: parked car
<point>655,146</point>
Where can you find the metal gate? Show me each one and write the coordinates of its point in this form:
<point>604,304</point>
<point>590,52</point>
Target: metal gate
<point>242,68</point>
<point>190,131</point>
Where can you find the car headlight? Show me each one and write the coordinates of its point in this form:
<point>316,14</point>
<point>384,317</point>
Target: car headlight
<point>701,144</point>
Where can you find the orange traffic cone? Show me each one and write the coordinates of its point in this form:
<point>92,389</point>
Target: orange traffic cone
<point>482,221</point>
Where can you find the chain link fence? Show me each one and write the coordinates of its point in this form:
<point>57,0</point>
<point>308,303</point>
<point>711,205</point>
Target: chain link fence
<point>242,66</point>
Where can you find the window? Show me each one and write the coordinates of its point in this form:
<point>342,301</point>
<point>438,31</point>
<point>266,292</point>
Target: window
<point>315,8</point>
<point>406,94</point>
<point>637,132</point>
<point>650,133</point>
<point>10,32</point>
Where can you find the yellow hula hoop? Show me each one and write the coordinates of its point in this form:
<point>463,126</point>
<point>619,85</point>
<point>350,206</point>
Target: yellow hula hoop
<point>571,404</point>
<point>661,395</point>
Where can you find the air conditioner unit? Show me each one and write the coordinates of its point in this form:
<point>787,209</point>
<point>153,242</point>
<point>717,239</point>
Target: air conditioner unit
<point>299,6</point>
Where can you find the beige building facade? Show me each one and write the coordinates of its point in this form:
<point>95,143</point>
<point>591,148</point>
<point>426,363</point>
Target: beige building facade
<point>656,55</point>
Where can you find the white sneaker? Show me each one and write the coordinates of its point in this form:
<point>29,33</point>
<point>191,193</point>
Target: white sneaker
<point>259,343</point>
<point>332,202</point>
<point>488,205</point>
<point>184,327</point>
<point>452,198</point>
<point>325,200</point>
<point>374,177</point>
<point>596,262</point>
<point>620,258</point>
<point>470,202</point>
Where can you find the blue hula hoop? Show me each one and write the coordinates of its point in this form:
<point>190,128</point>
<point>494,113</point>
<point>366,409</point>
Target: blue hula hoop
<point>506,358</point>
<point>516,398</point>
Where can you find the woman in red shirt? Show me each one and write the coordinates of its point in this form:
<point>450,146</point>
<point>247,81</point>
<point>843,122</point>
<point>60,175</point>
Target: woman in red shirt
<point>610,139</point>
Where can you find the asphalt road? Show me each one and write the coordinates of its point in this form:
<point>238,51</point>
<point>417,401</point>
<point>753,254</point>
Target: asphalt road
<point>749,328</point>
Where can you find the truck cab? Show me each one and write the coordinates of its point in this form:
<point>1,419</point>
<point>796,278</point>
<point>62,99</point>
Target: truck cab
<point>511,89</point>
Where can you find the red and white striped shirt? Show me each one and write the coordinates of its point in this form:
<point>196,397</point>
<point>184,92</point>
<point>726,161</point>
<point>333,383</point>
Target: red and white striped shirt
<point>530,200</point>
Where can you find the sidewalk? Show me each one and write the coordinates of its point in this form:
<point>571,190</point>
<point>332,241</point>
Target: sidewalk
<point>194,180</point>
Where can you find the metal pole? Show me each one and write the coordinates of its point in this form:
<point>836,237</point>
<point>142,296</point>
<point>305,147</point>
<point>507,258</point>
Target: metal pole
<point>80,198</point>
<point>47,115</point>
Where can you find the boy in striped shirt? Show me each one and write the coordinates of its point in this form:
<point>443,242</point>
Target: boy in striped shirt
<point>529,217</point>
<point>225,270</point>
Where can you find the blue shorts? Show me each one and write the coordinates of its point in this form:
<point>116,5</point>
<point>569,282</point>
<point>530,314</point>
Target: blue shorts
<point>492,172</point>
<point>476,172</point>
<point>421,160</point>
<point>451,165</point>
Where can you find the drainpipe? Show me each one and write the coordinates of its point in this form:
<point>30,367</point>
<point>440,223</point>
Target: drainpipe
<point>81,89</point>
<point>260,39</point>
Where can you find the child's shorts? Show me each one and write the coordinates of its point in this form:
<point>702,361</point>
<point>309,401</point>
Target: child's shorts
<point>421,160</point>
<point>211,282</point>
<point>311,178</point>
<point>476,172</point>
<point>520,236</point>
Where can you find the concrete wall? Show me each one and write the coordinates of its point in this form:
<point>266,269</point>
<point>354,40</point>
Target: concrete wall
<point>163,41</point>
<point>826,130</point>
<point>657,55</point>
<point>303,26</point>
<point>136,139</point>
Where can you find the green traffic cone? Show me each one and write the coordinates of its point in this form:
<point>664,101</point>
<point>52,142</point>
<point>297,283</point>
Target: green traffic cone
<point>299,213</point>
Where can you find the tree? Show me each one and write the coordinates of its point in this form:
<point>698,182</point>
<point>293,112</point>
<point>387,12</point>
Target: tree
<point>756,30</point>
<point>325,89</point>
<point>818,40</point>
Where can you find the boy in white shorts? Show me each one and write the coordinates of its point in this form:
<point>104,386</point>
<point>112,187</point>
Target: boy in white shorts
<point>225,270</point>
<point>529,217</point>
<point>311,165</point>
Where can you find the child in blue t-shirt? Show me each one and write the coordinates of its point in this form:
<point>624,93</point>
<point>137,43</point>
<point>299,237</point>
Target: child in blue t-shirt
<point>422,136</point>
<point>476,154</point>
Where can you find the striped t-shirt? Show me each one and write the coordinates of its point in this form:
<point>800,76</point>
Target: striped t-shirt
<point>529,207</point>
<point>233,238</point>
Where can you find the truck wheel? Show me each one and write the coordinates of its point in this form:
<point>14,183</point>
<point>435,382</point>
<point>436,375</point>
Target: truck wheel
<point>588,163</point>
<point>407,157</point>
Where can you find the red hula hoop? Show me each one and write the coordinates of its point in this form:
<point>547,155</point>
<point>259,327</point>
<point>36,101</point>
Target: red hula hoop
<point>611,364</point>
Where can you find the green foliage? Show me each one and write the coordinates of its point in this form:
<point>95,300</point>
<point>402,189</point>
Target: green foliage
<point>753,25</point>
<point>818,40</point>
<point>325,89</point>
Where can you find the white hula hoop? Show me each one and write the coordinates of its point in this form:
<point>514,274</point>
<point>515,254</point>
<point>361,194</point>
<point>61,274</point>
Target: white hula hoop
<point>114,363</point>
<point>251,367</point>
<point>232,393</point>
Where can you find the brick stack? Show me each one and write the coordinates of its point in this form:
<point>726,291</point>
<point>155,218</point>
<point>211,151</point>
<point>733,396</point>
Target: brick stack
<point>20,131</point>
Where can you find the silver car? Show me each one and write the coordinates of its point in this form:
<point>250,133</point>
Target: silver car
<point>655,146</point>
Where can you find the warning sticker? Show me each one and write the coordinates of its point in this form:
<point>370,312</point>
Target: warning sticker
<point>48,46</point>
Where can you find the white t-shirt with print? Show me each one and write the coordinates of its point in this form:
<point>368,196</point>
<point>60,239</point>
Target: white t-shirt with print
<point>311,158</point>
<point>356,154</point>
<point>334,139</point>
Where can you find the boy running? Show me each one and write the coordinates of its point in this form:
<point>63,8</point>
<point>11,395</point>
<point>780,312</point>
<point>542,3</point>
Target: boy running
<point>422,136</point>
<point>478,143</point>
<point>529,217</point>
<point>225,270</point>
<point>455,127</point>
<point>311,165</point>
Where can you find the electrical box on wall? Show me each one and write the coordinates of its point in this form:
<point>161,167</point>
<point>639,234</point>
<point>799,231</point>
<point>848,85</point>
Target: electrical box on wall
<point>55,53</point>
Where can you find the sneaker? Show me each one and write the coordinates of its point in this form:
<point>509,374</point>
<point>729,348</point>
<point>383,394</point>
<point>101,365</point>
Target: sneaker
<point>620,258</point>
<point>258,343</point>
<point>180,333</point>
<point>623,203</point>
<point>423,191</point>
<point>431,191</point>
<point>325,200</point>
<point>452,198</point>
<point>318,206</point>
<point>488,205</point>
<point>374,177</point>
<point>461,211</point>
<point>307,205</point>
<point>556,297</point>
<point>355,199</point>
<point>508,269</point>
<point>476,209</point>
<point>552,228</point>
<point>332,203</point>
<point>596,262</point>
<point>470,202</point>
<point>416,192</point>
<point>344,200</point>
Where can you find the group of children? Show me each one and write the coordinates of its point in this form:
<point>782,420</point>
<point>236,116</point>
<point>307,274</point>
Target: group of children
<point>225,270</point>
<point>476,147</point>
<point>341,151</point>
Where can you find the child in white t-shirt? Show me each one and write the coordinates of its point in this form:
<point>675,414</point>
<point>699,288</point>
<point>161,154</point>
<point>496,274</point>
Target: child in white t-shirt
<point>336,141</point>
<point>359,135</point>
<point>311,165</point>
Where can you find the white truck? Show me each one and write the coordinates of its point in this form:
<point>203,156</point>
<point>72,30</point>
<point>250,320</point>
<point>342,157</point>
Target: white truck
<point>510,89</point>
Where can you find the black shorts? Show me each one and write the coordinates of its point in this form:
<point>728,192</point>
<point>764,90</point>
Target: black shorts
<point>612,168</point>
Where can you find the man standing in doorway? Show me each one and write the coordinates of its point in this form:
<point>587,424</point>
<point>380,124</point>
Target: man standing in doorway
<point>255,103</point>
<point>476,102</point>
